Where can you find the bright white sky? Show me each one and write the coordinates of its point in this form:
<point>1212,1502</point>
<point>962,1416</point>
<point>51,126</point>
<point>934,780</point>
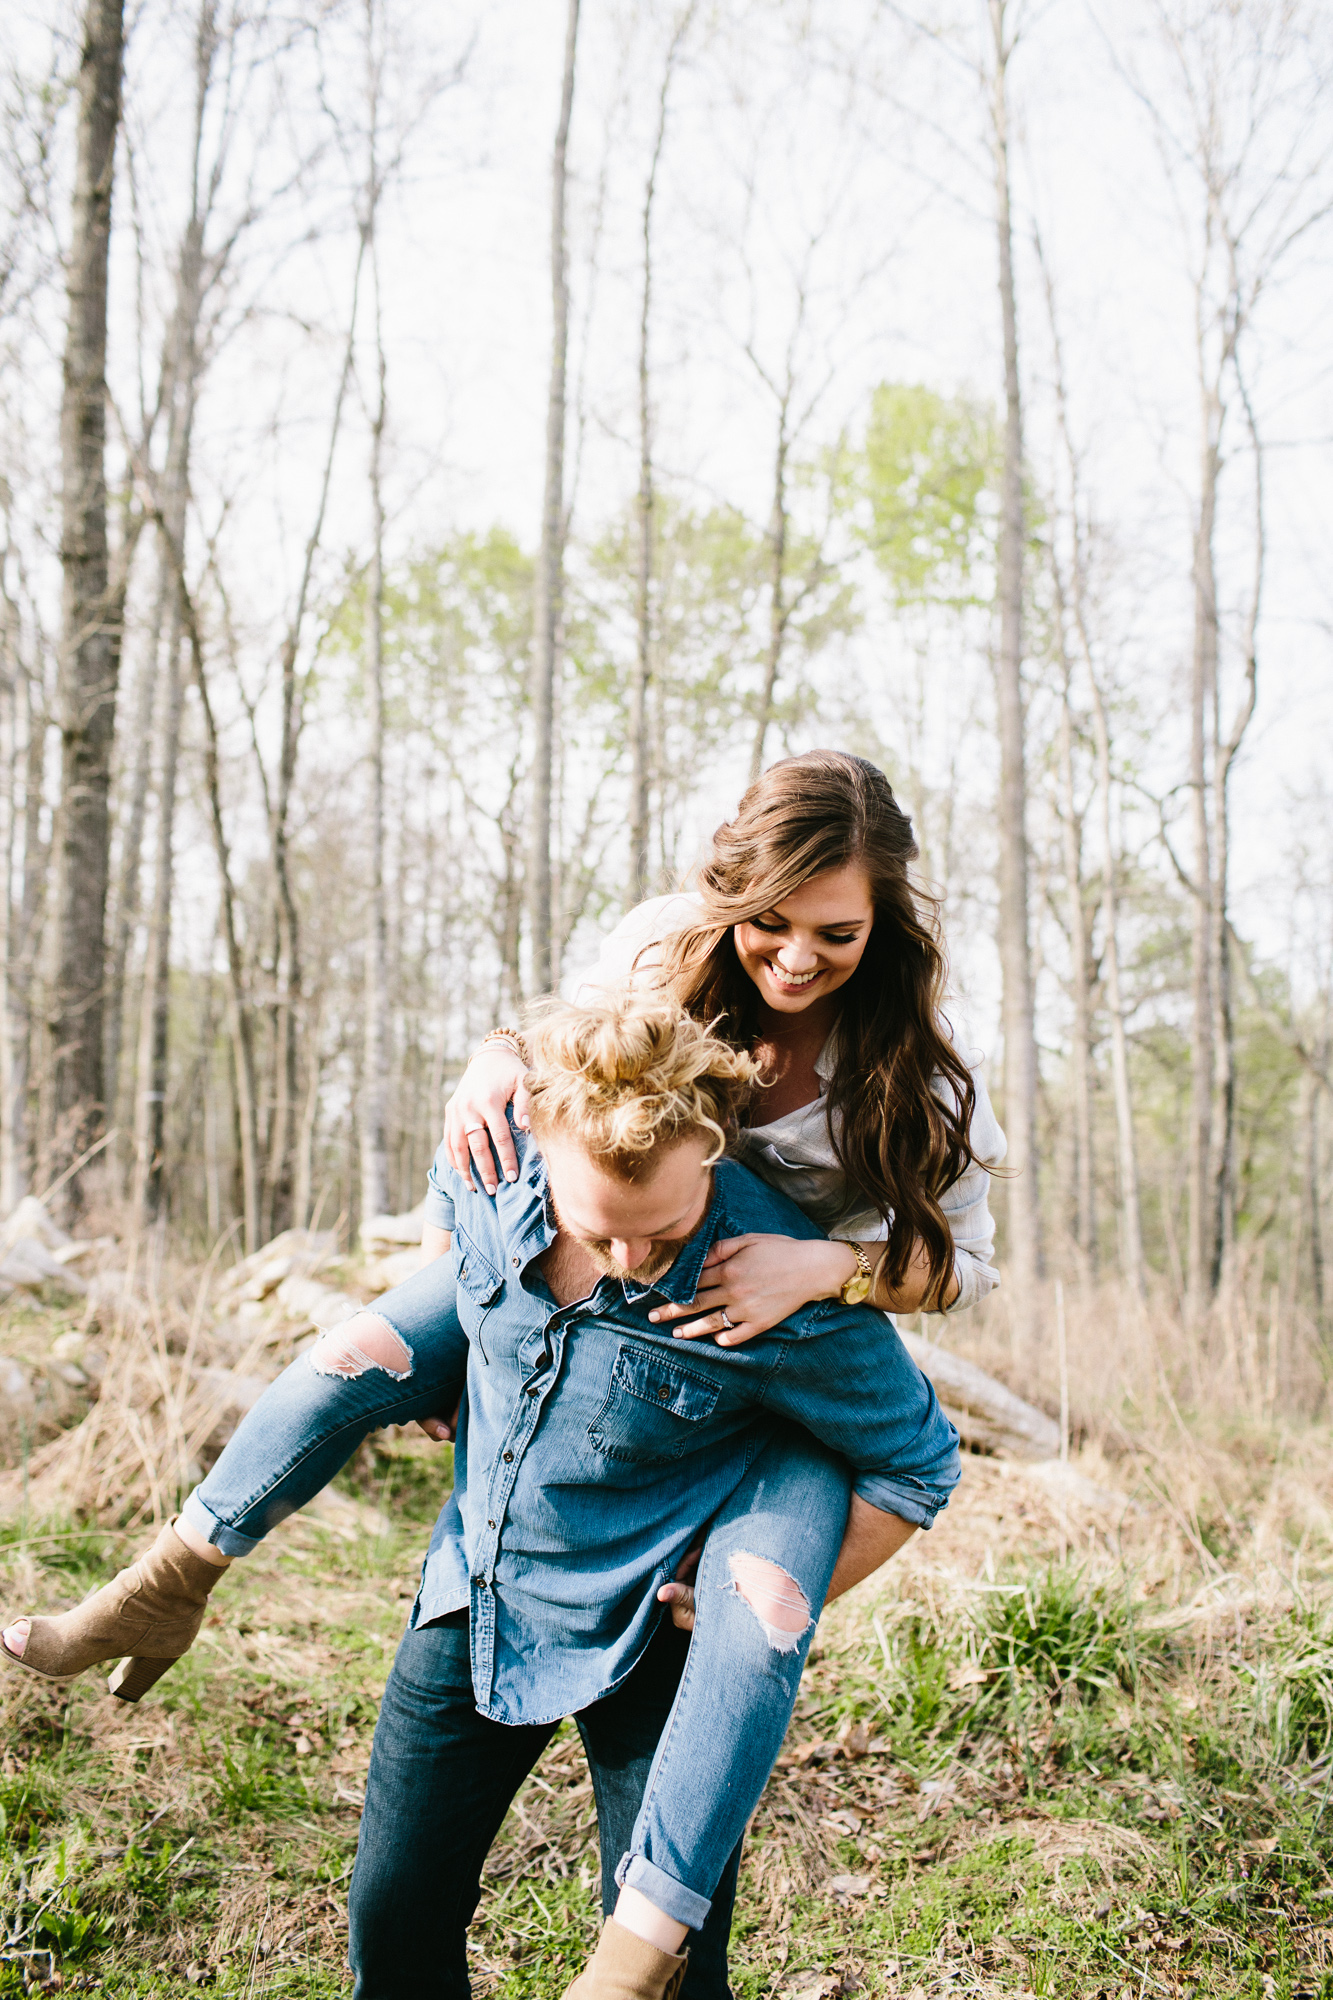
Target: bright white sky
<point>859,139</point>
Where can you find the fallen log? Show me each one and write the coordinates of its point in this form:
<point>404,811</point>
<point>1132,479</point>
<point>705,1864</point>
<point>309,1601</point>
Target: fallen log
<point>985,1413</point>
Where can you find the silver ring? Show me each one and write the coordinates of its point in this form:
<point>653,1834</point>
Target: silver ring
<point>471,1131</point>
<point>727,1321</point>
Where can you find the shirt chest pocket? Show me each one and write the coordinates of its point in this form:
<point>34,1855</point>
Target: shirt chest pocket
<point>479,1286</point>
<point>652,1409</point>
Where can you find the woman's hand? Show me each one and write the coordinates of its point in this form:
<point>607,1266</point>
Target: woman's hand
<point>757,1281</point>
<point>474,1117</point>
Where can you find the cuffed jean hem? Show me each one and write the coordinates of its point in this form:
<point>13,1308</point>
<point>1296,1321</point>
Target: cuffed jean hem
<point>216,1532</point>
<point>687,1906</point>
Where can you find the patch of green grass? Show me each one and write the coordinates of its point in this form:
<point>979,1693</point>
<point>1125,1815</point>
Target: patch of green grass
<point>1062,1798</point>
<point>253,1777</point>
<point>409,1478</point>
<point>1059,1632</point>
<point>30,1801</point>
<point>548,1929</point>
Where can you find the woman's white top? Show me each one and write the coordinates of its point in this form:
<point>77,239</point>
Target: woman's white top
<point>795,1154</point>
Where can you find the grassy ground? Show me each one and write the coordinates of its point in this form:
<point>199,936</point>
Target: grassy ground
<point>1066,1747</point>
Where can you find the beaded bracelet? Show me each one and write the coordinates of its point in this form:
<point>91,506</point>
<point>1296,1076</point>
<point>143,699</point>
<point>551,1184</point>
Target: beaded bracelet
<point>511,1038</point>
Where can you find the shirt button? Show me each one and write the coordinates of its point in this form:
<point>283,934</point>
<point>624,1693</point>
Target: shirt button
<point>490,1524</point>
<point>509,1458</point>
<point>663,1393</point>
<point>533,1388</point>
<point>515,1261</point>
<point>480,1582</point>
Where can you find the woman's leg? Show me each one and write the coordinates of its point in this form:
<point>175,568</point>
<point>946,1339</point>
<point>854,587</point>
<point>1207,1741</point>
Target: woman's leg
<point>402,1359</point>
<point>395,1362</point>
<point>762,1579</point>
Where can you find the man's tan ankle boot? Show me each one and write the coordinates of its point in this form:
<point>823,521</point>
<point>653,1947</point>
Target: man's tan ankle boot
<point>626,1967</point>
<point>151,1612</point>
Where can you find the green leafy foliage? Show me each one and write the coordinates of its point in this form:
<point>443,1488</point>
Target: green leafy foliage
<point>929,474</point>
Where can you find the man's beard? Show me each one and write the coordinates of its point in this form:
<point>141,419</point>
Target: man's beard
<point>598,1250</point>
<point>662,1258</point>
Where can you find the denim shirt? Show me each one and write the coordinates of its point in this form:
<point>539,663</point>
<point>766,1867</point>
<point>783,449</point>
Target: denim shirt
<point>593,1446</point>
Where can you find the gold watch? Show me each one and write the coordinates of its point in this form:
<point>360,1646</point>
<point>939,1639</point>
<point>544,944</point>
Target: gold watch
<point>857,1288</point>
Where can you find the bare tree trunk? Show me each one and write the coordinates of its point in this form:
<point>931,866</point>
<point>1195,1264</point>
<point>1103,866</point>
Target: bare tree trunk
<point>1203,684</point>
<point>1127,1175</point>
<point>91,634</point>
<point>278,1180</point>
<point>1312,1090</point>
<point>1127,1171</point>
<point>375,1081</point>
<point>1226,752</point>
<point>1020,1040</point>
<point>12,1177</point>
<point>242,1038</point>
<point>154,1047</point>
<point>182,381</point>
<point>640,751</point>
<point>1081,1034</point>
<point>778,610</point>
<point>305,1145</point>
<point>278,1188</point>
<point>131,853</point>
<point>512,887</point>
<point>36,856</point>
<point>639,717</point>
<point>551,560</point>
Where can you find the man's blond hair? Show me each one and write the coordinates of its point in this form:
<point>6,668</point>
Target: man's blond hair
<point>631,1075</point>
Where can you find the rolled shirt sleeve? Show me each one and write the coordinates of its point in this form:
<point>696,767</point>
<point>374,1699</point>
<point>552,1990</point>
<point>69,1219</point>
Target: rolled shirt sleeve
<point>438,1212</point>
<point>855,1386</point>
<point>966,1204</point>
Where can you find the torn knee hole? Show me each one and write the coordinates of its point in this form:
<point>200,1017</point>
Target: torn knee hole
<point>362,1342</point>
<point>775,1598</point>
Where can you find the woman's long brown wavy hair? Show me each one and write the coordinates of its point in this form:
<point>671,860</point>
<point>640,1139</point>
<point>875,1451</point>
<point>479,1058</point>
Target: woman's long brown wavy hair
<point>896,1140</point>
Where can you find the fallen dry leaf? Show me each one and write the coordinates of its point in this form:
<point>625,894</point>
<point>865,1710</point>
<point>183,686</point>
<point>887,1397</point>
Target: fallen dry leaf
<point>852,1885</point>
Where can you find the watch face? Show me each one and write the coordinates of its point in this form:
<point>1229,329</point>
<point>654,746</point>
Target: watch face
<point>856,1289</point>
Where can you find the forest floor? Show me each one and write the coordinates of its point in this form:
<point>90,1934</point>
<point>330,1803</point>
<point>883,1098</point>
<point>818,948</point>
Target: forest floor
<point>1078,1741</point>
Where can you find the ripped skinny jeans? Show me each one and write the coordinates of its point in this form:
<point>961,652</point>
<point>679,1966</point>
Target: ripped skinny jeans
<point>766,1565</point>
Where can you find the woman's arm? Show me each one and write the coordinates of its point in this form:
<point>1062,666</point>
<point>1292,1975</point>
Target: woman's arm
<point>475,1117</point>
<point>758,1281</point>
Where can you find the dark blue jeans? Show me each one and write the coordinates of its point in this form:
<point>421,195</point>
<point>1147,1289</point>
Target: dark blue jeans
<point>440,1782</point>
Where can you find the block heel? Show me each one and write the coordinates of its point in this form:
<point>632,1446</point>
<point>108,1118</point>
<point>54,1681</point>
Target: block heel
<point>133,1677</point>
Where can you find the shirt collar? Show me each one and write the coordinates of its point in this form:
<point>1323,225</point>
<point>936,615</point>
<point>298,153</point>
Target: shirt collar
<point>826,1062</point>
<point>680,1282</point>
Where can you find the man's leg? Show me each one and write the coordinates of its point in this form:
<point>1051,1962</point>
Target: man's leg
<point>441,1779</point>
<point>766,1566</point>
<point>620,1735</point>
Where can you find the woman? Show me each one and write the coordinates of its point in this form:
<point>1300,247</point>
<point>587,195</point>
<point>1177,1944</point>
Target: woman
<point>868,1113</point>
<point>808,945</point>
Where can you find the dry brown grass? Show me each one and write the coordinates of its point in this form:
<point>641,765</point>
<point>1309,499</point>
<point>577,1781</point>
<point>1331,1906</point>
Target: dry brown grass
<point>932,1828</point>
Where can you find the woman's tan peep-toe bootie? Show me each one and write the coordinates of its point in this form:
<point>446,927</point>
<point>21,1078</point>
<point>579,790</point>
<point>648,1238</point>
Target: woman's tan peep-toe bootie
<point>151,1613</point>
<point>626,1967</point>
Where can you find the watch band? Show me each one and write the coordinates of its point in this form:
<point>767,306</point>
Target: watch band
<point>857,1288</point>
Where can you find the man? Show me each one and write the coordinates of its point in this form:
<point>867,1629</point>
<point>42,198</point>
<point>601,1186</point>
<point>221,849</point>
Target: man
<point>592,1451</point>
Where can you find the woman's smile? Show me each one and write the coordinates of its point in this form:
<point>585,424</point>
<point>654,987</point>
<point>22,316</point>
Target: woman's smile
<point>811,942</point>
<point>790,982</point>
